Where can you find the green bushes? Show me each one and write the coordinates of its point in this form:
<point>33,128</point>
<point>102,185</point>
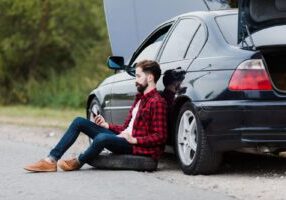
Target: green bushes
<point>52,52</point>
<point>68,90</point>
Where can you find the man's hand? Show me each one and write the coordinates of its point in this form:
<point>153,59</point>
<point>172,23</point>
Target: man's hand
<point>128,137</point>
<point>100,121</point>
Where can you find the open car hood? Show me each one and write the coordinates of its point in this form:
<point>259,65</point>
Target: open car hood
<point>259,14</point>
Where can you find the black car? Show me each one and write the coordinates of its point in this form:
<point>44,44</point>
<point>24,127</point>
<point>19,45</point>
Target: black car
<point>233,96</point>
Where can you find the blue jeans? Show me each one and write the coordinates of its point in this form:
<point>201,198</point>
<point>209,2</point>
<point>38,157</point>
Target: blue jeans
<point>102,138</point>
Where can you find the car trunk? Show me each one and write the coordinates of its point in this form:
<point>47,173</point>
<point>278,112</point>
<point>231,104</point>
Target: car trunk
<point>275,58</point>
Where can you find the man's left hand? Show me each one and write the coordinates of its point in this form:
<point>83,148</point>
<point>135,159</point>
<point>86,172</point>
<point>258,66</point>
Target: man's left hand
<point>128,137</point>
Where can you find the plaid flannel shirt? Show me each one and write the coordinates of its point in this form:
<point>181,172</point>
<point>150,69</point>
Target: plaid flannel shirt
<point>150,125</point>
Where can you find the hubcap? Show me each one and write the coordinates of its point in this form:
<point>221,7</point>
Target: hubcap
<point>187,137</point>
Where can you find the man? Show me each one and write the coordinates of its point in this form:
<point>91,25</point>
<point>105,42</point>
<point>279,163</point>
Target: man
<point>143,133</point>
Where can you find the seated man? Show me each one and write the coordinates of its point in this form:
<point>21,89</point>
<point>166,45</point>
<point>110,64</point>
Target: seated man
<point>143,133</point>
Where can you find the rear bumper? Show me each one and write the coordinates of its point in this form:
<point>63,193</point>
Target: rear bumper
<point>232,125</point>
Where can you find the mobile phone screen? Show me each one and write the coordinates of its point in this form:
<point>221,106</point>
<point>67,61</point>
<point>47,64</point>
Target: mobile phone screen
<point>94,111</point>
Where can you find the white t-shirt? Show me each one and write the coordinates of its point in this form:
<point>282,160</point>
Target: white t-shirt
<point>134,113</point>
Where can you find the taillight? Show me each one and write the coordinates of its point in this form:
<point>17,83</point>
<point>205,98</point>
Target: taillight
<point>250,75</point>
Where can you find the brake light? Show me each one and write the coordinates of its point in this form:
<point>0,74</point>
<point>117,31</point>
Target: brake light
<point>250,75</point>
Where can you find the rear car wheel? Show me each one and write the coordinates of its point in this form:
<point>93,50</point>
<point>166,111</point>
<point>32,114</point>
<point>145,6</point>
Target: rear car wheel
<point>191,145</point>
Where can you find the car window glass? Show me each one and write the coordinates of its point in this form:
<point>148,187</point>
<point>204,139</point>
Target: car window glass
<point>178,42</point>
<point>228,27</point>
<point>220,4</point>
<point>196,44</point>
<point>150,50</point>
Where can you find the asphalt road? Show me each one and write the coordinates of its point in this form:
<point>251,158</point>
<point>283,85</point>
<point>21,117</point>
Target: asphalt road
<point>88,183</point>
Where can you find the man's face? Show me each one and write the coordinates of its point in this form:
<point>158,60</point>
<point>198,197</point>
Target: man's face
<point>141,80</point>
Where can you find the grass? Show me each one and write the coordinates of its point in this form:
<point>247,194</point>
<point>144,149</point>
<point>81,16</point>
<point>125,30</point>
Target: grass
<point>36,116</point>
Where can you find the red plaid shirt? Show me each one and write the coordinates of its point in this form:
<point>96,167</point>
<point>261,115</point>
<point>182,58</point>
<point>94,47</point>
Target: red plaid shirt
<point>150,125</point>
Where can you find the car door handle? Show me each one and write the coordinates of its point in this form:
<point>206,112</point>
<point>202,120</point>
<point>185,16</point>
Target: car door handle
<point>106,103</point>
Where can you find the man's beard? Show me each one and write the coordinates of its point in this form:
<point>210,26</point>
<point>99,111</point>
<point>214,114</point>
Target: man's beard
<point>141,88</point>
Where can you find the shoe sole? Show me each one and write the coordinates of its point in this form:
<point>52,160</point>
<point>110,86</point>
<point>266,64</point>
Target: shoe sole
<point>40,170</point>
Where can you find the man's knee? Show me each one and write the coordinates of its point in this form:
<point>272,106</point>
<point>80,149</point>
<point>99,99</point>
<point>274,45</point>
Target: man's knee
<point>78,121</point>
<point>101,139</point>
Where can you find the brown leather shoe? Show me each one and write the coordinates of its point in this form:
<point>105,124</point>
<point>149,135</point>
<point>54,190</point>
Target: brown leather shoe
<point>69,165</point>
<point>42,166</point>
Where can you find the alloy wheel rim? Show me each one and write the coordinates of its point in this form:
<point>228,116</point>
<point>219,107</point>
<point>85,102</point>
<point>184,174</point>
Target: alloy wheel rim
<point>187,137</point>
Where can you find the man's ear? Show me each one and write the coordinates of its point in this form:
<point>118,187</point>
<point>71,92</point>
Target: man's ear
<point>150,78</point>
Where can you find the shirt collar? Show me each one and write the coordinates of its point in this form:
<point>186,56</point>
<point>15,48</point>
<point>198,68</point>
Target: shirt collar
<point>146,96</point>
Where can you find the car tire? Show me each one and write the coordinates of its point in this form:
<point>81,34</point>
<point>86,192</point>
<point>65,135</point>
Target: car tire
<point>191,145</point>
<point>124,162</point>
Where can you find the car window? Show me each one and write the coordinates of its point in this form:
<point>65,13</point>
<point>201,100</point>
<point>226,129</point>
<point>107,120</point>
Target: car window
<point>179,41</point>
<point>151,47</point>
<point>228,27</point>
<point>197,43</point>
<point>221,4</point>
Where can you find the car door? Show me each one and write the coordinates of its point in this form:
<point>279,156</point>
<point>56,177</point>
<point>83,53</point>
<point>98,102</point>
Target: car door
<point>181,47</point>
<point>123,88</point>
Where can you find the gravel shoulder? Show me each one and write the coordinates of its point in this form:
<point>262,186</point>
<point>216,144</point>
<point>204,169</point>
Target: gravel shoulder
<point>242,176</point>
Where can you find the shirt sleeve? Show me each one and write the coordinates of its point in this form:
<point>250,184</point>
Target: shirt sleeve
<point>119,128</point>
<point>158,126</point>
<point>116,128</point>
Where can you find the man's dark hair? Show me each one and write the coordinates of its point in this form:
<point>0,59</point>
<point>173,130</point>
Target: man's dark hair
<point>152,67</point>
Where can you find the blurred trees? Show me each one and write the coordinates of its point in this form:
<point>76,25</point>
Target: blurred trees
<point>47,44</point>
<point>230,3</point>
<point>233,3</point>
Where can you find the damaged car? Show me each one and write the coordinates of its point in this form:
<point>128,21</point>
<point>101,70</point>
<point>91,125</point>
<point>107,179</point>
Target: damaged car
<point>233,96</point>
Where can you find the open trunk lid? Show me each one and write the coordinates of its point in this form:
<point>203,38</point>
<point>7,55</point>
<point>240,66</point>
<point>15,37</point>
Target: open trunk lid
<point>255,15</point>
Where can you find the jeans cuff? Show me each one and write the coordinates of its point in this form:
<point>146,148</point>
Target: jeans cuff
<point>53,158</point>
<point>81,162</point>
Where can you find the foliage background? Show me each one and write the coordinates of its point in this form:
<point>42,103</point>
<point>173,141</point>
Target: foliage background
<point>52,52</point>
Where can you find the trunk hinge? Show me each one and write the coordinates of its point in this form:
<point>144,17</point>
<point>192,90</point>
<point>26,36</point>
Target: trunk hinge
<point>253,47</point>
<point>244,43</point>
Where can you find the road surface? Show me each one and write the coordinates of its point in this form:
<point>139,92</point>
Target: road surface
<point>87,183</point>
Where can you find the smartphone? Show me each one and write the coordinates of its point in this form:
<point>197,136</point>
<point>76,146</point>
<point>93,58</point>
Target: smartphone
<point>94,111</point>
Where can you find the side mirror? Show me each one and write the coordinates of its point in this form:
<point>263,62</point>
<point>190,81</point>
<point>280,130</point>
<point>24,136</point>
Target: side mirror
<point>115,62</point>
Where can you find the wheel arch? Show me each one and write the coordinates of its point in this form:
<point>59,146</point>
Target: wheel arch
<point>89,100</point>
